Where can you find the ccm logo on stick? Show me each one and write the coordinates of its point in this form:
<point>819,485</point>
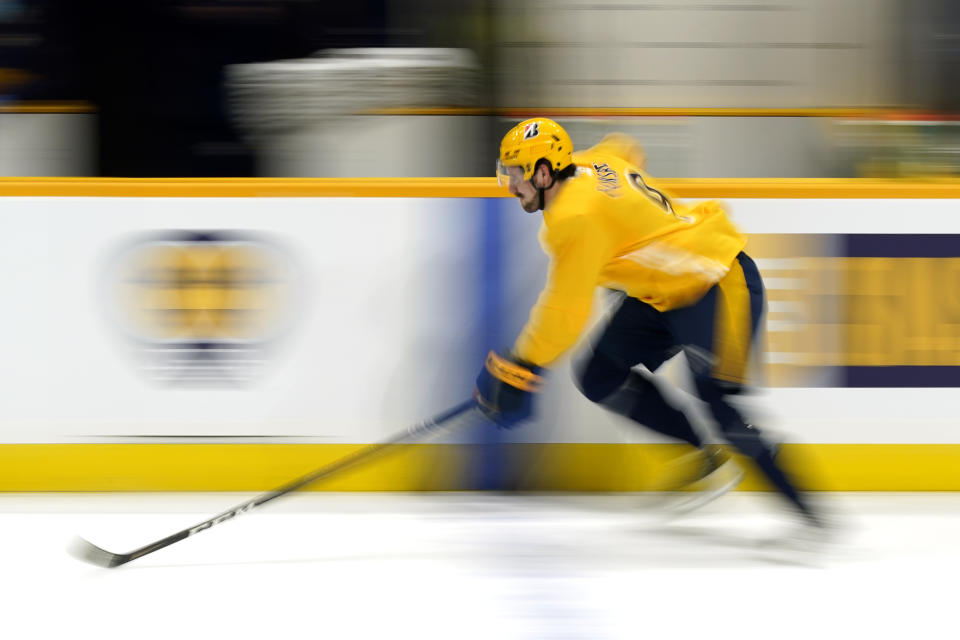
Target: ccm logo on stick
<point>222,518</point>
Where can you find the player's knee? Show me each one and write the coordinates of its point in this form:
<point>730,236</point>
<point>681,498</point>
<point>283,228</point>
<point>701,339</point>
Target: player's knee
<point>600,377</point>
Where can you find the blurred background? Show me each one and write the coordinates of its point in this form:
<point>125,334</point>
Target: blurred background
<point>277,306</point>
<point>713,88</point>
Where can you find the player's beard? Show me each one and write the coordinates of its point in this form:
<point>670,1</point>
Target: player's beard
<point>531,204</point>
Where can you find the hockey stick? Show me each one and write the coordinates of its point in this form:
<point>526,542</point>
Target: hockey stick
<point>101,557</point>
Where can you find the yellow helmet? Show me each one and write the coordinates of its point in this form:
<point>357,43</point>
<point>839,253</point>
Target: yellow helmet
<point>531,141</point>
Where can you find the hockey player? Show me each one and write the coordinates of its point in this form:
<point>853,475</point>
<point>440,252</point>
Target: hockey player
<point>687,287</point>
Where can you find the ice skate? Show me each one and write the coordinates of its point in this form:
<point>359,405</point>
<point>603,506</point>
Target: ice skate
<point>714,474</point>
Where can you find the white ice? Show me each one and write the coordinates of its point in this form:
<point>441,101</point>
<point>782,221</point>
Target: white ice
<point>463,566</point>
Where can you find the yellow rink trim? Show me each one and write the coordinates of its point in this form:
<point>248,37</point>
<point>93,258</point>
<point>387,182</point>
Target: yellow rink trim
<point>219,467</point>
<point>253,187</point>
<point>47,107</point>
<point>550,467</point>
<point>457,188</point>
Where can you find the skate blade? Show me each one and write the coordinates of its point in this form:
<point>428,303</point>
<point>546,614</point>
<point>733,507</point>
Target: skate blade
<point>723,480</point>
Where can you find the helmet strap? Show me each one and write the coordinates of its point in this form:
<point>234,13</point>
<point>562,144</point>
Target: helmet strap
<point>541,191</point>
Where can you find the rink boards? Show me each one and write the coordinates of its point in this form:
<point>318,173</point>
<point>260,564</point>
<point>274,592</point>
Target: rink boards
<point>231,334</point>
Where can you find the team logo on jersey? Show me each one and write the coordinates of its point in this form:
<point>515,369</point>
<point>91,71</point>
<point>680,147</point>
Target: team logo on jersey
<point>202,307</point>
<point>531,130</point>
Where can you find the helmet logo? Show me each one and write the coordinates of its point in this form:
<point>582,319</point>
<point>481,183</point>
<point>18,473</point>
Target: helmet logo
<point>531,130</point>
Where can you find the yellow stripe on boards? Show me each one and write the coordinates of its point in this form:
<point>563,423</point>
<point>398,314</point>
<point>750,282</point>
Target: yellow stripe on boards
<point>254,187</point>
<point>221,467</point>
<point>810,188</point>
<point>46,106</point>
<point>437,467</point>
<point>454,188</point>
<point>816,467</point>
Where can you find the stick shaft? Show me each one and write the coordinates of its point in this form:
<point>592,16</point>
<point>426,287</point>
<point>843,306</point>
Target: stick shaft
<point>365,454</point>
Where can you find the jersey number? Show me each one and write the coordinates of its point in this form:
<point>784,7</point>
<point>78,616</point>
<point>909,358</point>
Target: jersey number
<point>656,197</point>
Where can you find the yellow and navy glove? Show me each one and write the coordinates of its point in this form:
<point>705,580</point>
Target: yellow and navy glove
<point>505,389</point>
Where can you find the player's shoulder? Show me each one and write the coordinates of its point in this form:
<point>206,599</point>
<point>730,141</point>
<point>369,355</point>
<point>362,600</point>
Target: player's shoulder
<point>601,176</point>
<point>578,195</point>
<point>614,149</point>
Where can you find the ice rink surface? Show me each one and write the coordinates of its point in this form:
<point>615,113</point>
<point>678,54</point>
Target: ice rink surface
<point>465,565</point>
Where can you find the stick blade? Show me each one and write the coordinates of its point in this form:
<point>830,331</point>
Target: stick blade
<point>89,552</point>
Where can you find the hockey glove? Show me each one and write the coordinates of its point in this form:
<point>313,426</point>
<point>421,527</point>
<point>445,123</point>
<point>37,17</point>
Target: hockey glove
<point>505,389</point>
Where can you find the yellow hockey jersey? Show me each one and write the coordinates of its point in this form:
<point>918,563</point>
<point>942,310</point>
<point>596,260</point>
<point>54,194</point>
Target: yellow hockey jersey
<point>610,227</point>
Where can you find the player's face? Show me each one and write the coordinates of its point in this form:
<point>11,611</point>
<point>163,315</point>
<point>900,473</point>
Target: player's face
<point>522,189</point>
